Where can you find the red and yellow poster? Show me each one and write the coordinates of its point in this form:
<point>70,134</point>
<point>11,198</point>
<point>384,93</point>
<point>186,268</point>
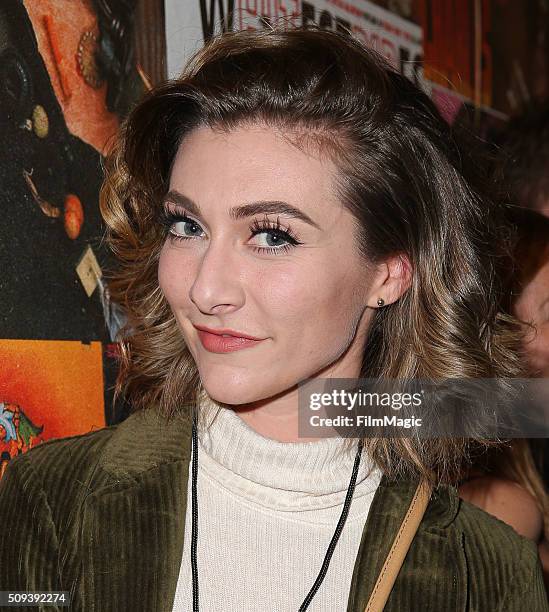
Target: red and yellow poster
<point>48,389</point>
<point>68,77</point>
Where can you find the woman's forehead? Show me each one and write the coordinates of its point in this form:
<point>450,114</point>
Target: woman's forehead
<point>248,164</point>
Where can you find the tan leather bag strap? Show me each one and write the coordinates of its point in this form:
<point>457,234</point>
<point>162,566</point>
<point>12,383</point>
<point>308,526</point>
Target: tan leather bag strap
<point>399,548</point>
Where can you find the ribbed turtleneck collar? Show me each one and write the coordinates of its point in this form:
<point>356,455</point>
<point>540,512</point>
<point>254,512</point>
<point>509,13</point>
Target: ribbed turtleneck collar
<point>284,476</point>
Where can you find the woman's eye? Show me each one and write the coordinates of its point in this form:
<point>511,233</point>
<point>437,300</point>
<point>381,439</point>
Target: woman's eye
<point>186,228</point>
<point>273,240</point>
<point>178,226</point>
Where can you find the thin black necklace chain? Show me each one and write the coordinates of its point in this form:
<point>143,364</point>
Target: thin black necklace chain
<point>331,547</point>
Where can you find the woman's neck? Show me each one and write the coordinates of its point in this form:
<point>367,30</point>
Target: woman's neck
<point>280,426</point>
<point>275,418</point>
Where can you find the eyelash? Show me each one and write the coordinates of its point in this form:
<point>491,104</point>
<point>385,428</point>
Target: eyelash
<point>168,217</point>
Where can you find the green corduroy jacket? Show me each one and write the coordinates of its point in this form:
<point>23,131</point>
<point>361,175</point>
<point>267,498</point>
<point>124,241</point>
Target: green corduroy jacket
<point>102,516</point>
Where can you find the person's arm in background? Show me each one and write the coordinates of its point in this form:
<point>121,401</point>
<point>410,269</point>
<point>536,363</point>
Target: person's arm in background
<point>511,503</point>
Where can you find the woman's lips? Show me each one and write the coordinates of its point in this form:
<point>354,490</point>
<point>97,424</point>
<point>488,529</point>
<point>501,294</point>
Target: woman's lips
<point>224,344</point>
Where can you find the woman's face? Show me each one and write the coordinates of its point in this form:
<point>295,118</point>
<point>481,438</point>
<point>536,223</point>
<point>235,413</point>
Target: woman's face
<point>533,306</point>
<point>306,302</point>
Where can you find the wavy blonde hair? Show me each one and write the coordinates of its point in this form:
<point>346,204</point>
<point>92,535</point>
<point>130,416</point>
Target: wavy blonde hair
<point>402,174</point>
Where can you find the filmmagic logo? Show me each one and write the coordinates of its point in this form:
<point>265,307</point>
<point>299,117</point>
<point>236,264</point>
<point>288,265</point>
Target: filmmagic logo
<point>365,420</point>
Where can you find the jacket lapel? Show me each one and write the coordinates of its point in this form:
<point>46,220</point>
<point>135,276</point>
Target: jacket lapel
<point>132,530</point>
<point>434,573</point>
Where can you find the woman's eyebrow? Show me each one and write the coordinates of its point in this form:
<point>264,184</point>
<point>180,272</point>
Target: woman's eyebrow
<point>245,210</point>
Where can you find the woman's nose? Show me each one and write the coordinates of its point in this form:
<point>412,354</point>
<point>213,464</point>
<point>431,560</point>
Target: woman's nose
<point>217,286</point>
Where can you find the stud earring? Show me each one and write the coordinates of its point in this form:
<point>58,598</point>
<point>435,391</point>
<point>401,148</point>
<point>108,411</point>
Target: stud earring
<point>380,301</point>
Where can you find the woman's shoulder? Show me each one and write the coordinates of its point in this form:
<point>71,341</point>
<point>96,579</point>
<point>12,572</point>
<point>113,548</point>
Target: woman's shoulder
<point>99,457</point>
<point>67,460</point>
<point>60,449</point>
<point>496,554</point>
<point>493,546</point>
<point>483,535</point>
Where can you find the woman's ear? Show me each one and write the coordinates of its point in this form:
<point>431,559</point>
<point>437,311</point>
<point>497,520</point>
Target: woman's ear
<point>392,278</point>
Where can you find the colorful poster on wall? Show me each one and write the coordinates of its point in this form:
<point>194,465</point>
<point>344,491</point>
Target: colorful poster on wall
<point>397,36</point>
<point>48,389</point>
<point>67,79</point>
<point>480,60</point>
<point>490,56</point>
<point>189,24</point>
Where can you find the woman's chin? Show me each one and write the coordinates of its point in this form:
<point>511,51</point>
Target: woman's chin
<point>229,392</point>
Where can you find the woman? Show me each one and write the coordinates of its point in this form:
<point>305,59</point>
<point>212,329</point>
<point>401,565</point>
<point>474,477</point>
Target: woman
<point>505,481</point>
<point>293,191</point>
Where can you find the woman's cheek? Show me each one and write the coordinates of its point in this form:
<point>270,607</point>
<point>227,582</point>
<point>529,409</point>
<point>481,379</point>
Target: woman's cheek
<point>175,275</point>
<point>164,276</point>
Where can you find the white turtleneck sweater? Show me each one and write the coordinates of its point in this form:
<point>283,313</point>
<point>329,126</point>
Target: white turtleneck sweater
<point>267,511</point>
